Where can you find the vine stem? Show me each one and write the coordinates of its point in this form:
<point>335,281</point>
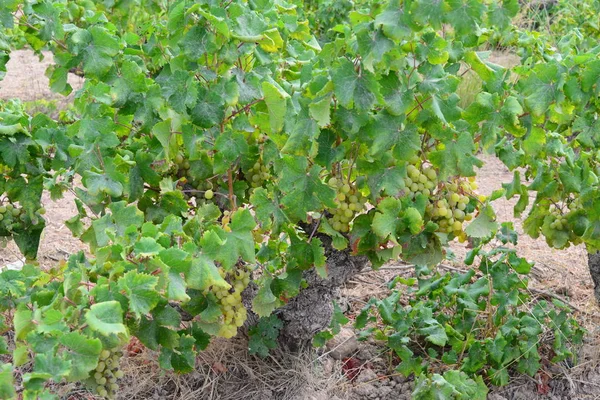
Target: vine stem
<point>312,234</point>
<point>243,109</point>
<point>419,105</point>
<point>231,195</point>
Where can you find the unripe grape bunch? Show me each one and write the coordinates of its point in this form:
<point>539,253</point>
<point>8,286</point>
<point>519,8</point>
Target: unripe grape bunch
<point>451,203</point>
<point>422,180</point>
<point>200,188</point>
<point>12,216</point>
<point>230,301</point>
<point>562,220</point>
<point>349,202</point>
<point>258,174</point>
<point>454,203</point>
<point>107,373</point>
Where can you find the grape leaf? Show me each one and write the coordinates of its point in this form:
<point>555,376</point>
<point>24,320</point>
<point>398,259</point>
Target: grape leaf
<point>140,289</point>
<point>83,353</point>
<point>106,318</point>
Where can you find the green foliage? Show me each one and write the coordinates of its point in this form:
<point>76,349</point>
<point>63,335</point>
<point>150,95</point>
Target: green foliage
<point>451,385</point>
<point>480,322</point>
<point>207,136</point>
<point>263,335</point>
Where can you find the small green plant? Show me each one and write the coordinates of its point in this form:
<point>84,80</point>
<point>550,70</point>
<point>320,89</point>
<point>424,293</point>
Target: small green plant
<point>481,323</point>
<point>451,385</point>
<point>263,335</point>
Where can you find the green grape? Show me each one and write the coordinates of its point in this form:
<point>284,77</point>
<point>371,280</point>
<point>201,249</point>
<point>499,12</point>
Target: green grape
<point>209,194</point>
<point>100,366</point>
<point>431,174</point>
<point>2,209</point>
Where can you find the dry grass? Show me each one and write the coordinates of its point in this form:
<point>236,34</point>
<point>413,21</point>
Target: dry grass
<point>225,371</point>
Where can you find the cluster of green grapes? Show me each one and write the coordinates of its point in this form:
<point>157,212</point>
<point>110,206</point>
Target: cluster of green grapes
<point>183,169</point>
<point>10,216</point>
<point>258,174</point>
<point>107,373</point>
<point>452,206</point>
<point>230,301</point>
<point>559,220</point>
<point>349,202</point>
<point>423,180</point>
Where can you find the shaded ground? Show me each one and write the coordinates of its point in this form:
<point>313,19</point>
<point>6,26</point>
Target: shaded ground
<point>226,371</point>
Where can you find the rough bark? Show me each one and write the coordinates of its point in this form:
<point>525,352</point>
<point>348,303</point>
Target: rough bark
<point>594,265</point>
<point>311,311</point>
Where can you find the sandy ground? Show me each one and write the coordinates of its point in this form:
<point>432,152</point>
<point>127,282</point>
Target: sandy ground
<point>563,272</point>
<point>26,80</point>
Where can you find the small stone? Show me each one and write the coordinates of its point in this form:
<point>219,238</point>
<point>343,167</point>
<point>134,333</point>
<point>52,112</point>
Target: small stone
<point>328,366</point>
<point>367,375</point>
<point>405,387</point>
<point>343,345</point>
<point>384,391</point>
<point>364,390</point>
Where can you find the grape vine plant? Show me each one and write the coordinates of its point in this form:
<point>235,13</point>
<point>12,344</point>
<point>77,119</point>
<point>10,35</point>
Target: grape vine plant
<point>209,135</point>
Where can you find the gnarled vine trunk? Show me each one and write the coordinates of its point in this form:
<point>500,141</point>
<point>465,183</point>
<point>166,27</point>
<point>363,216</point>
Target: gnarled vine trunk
<point>594,265</point>
<point>311,311</point>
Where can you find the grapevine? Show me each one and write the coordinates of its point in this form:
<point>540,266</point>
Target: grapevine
<point>220,146</point>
